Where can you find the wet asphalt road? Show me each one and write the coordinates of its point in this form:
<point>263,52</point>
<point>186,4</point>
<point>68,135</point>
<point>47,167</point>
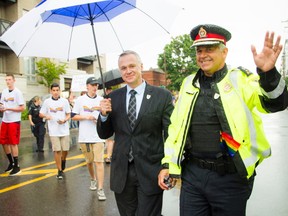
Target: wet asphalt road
<point>270,192</point>
<point>36,191</point>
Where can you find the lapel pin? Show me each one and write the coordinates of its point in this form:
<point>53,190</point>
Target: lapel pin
<point>148,97</point>
<point>216,96</point>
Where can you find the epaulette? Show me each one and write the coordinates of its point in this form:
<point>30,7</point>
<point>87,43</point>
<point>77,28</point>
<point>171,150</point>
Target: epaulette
<point>245,70</point>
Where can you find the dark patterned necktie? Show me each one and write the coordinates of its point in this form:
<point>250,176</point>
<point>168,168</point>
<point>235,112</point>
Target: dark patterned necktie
<point>132,109</point>
<point>132,118</point>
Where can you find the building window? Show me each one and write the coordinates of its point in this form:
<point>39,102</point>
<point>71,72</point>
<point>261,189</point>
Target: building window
<point>67,84</point>
<point>30,69</point>
<point>1,64</point>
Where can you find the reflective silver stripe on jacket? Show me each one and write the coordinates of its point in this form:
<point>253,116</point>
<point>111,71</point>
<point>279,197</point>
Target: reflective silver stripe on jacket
<point>253,134</point>
<point>187,82</point>
<point>171,151</point>
<point>276,92</point>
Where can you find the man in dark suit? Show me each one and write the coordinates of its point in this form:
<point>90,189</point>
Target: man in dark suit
<point>138,147</point>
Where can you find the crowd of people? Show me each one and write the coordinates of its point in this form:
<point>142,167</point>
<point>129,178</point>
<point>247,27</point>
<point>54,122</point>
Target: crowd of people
<point>210,134</point>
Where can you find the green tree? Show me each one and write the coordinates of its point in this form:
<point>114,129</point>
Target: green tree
<point>178,60</point>
<point>49,72</point>
<point>286,80</point>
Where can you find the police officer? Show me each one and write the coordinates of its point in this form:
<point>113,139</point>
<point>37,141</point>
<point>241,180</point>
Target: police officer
<point>216,138</point>
<point>37,123</point>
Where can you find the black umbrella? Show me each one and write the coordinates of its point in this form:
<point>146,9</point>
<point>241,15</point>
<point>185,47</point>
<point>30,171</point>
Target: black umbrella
<point>111,78</point>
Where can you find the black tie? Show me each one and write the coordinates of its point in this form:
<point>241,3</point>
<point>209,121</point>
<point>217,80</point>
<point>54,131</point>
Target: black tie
<point>132,117</point>
<point>132,109</point>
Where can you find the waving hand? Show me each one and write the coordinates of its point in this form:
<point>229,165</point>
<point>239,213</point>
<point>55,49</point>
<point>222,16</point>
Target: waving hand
<point>266,59</point>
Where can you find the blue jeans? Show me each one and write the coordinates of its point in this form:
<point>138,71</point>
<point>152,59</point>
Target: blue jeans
<point>73,124</point>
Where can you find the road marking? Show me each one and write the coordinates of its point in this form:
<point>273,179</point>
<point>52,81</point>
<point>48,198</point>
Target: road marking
<point>48,172</point>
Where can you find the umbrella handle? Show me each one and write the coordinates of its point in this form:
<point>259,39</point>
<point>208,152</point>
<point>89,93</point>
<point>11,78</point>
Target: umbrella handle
<point>106,96</point>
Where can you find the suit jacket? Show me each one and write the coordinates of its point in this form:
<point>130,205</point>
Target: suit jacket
<point>147,138</point>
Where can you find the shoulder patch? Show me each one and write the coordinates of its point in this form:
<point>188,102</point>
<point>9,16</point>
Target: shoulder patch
<point>245,70</point>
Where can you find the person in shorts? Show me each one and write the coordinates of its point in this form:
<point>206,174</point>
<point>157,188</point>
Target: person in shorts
<point>1,115</point>
<point>11,105</point>
<point>56,110</point>
<point>109,145</point>
<point>86,111</point>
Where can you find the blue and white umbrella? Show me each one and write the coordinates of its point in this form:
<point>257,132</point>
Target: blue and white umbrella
<point>68,29</point>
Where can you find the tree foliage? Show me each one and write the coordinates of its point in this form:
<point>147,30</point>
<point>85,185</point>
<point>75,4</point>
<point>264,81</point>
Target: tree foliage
<point>178,60</point>
<point>286,80</point>
<point>49,72</point>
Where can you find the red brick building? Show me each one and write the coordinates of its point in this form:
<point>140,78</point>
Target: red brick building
<point>155,77</point>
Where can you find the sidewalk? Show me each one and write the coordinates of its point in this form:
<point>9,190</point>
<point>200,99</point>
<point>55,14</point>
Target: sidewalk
<point>25,129</point>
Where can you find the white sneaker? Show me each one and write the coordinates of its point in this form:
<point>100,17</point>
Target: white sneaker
<point>93,185</point>
<point>101,195</point>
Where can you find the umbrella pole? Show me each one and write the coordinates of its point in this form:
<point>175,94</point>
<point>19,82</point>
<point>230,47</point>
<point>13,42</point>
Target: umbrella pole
<point>97,52</point>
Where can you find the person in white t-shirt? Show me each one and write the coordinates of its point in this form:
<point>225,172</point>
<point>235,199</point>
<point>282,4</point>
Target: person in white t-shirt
<point>56,111</point>
<point>86,111</point>
<point>11,105</point>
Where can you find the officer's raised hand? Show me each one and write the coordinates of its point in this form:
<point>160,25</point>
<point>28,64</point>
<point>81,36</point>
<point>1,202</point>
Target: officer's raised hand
<point>266,59</point>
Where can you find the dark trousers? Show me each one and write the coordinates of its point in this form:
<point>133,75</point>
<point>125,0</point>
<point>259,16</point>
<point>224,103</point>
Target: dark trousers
<point>206,193</point>
<point>39,132</point>
<point>133,201</point>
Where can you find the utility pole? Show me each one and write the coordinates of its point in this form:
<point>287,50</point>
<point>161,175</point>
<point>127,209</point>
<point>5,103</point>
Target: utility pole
<point>284,59</point>
<point>285,50</point>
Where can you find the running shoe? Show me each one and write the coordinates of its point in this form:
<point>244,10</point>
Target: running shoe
<point>60,175</point>
<point>101,195</point>
<point>15,171</point>
<point>9,168</point>
<point>93,185</point>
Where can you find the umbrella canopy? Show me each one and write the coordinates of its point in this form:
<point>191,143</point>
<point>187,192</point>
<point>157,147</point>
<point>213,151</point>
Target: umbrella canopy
<point>111,78</point>
<point>68,29</point>
<point>62,28</point>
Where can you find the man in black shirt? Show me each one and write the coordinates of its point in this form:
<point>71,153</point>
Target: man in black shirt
<point>37,123</point>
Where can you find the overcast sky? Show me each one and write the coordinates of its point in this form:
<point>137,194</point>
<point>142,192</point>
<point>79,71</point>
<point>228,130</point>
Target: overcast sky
<point>247,20</point>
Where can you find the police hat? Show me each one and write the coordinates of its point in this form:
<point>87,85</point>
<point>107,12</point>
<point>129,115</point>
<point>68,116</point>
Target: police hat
<point>209,34</point>
<point>92,81</point>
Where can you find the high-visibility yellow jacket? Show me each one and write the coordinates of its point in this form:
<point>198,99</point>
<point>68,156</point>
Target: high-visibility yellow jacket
<point>239,97</point>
